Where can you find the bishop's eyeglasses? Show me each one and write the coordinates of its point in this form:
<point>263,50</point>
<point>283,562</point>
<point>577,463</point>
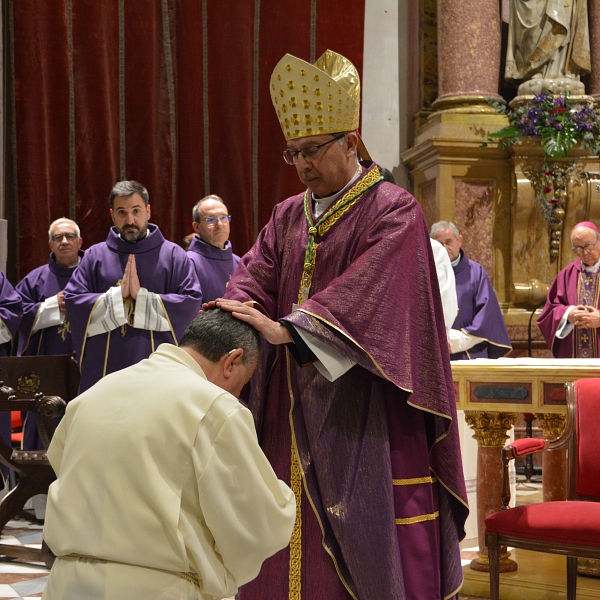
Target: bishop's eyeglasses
<point>310,153</point>
<point>582,249</point>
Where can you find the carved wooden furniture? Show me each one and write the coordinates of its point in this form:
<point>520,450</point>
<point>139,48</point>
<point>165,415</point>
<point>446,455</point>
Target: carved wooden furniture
<point>572,527</point>
<point>492,392</point>
<point>30,378</point>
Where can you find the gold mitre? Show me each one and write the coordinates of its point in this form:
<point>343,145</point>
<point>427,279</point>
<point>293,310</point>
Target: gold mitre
<point>315,99</point>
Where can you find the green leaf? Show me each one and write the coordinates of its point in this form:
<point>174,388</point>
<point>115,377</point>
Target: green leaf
<point>558,144</point>
<point>505,132</point>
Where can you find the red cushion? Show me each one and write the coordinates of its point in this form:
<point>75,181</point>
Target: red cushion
<point>588,442</point>
<point>528,445</point>
<point>15,418</point>
<point>560,522</point>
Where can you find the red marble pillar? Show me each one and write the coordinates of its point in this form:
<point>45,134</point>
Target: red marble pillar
<point>594,25</point>
<point>491,434</point>
<point>554,462</point>
<point>469,46</point>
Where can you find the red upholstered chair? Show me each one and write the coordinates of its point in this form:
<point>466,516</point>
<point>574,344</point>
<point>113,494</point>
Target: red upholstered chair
<point>571,527</point>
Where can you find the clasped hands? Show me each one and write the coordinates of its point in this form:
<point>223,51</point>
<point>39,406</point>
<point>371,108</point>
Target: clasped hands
<point>130,284</point>
<point>272,331</point>
<point>586,317</point>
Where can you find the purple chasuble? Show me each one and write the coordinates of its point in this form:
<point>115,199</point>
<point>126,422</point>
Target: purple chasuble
<point>39,285</point>
<point>570,289</point>
<point>11,311</point>
<point>478,312</point>
<point>213,267</point>
<point>374,444</point>
<point>162,268</point>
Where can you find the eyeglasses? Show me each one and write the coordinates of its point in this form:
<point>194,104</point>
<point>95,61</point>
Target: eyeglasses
<point>71,237</point>
<point>310,153</point>
<point>212,221</point>
<point>582,249</point>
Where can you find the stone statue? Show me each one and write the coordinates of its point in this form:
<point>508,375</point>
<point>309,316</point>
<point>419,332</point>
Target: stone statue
<point>548,45</point>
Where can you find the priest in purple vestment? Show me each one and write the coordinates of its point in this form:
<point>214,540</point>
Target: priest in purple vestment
<point>478,330</point>
<point>570,321</point>
<point>11,311</point>
<point>131,293</point>
<point>354,402</point>
<point>210,249</point>
<point>44,328</point>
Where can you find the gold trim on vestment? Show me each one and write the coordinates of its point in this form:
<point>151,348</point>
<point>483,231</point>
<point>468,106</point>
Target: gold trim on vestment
<point>175,342</point>
<point>106,355</point>
<point>308,496</point>
<point>419,519</point>
<point>375,363</point>
<point>191,577</point>
<point>484,340</point>
<point>85,333</point>
<point>414,481</point>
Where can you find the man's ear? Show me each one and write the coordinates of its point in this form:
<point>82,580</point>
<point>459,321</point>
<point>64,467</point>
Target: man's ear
<point>231,360</point>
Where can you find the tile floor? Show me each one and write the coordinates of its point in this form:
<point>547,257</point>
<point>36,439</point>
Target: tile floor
<point>20,580</point>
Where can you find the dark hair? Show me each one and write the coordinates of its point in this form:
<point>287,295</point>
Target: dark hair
<point>215,332</point>
<point>122,189</point>
<point>196,209</point>
<point>386,174</point>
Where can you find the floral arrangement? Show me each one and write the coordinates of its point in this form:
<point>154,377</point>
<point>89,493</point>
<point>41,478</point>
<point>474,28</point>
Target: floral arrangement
<point>558,120</point>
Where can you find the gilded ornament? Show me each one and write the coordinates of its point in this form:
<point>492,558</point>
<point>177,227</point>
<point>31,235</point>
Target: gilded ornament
<point>490,427</point>
<point>305,103</point>
<point>29,384</point>
<point>553,425</point>
<point>291,85</point>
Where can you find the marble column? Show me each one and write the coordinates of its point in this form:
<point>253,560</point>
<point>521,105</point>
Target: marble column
<point>594,25</point>
<point>554,462</point>
<point>469,46</point>
<point>491,434</point>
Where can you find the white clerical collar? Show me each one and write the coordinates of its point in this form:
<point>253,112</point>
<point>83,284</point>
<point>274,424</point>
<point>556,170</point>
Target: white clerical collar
<point>592,269</point>
<point>322,204</point>
<point>455,262</point>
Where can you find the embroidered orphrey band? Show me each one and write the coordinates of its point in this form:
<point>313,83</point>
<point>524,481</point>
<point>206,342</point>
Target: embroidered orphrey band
<point>327,221</point>
<point>295,573</point>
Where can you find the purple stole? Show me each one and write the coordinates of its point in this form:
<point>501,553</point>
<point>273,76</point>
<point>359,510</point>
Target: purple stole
<point>586,340</point>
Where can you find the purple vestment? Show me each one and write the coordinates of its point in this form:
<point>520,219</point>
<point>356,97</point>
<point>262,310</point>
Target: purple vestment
<point>372,443</point>
<point>565,292</point>
<point>39,285</point>
<point>213,267</point>
<point>162,268</point>
<point>11,311</point>
<point>478,312</point>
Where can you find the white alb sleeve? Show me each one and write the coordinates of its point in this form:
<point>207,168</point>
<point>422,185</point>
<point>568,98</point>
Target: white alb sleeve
<point>565,326</point>
<point>149,312</point>
<point>447,283</point>
<point>108,312</point>
<point>4,334</point>
<point>48,314</point>
<point>330,363</point>
<point>461,341</point>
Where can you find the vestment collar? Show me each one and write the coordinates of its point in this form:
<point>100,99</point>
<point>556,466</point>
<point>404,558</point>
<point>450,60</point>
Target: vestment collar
<point>153,240</point>
<point>212,252</point>
<point>59,270</point>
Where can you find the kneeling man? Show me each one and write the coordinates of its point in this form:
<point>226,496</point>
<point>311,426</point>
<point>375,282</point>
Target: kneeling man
<point>162,489</point>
